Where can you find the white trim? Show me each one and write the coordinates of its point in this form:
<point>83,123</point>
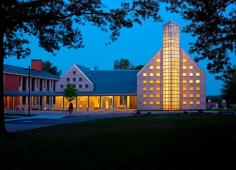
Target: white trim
<point>83,74</point>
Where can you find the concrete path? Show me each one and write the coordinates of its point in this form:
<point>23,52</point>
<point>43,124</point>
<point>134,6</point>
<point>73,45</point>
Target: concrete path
<point>49,119</point>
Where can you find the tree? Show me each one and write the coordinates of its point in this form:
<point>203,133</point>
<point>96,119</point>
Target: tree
<point>213,24</point>
<point>57,23</point>
<point>48,67</point>
<point>122,64</point>
<point>70,93</point>
<point>229,88</point>
<point>138,67</point>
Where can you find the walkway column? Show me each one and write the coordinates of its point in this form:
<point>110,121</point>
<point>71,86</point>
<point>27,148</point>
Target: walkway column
<point>100,103</point>
<point>76,105</point>
<point>113,102</point>
<point>88,104</point>
<point>63,101</point>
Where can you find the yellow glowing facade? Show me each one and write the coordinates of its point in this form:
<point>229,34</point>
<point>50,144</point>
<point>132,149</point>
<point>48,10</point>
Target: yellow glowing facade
<point>171,67</point>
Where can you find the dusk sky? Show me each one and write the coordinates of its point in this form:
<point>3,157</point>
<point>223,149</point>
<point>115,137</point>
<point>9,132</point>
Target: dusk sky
<point>138,44</point>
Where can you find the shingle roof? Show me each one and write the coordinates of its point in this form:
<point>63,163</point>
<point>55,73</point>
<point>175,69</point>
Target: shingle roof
<point>113,82</point>
<point>25,71</point>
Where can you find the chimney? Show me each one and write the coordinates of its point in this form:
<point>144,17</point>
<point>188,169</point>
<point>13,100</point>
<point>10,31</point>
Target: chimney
<point>37,65</point>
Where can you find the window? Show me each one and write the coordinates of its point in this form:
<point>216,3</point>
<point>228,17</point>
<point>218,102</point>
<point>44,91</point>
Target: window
<point>184,95</point>
<point>191,95</point>
<point>80,86</point>
<point>191,88</point>
<point>74,79</point>
<point>151,81</point>
<point>184,88</point>
<point>191,102</point>
<point>144,81</point>
<point>158,67</point>
<point>151,95</point>
<point>158,95</point>
<point>151,88</point>
<point>184,60</point>
<point>151,67</point>
<point>158,81</point>
<point>144,102</point>
<point>191,74</point>
<point>198,74</point>
<point>144,74</point>
<point>62,86</point>
<point>184,81</point>
<point>157,88</point>
<point>191,81</point>
<point>144,95</point>
<point>151,74</point>
<point>151,102</point>
<point>158,102</point>
<point>144,88</point>
<point>184,74</point>
<point>184,67</point>
<point>158,60</point>
<point>198,95</point>
<point>190,67</point>
<point>197,81</point>
<point>198,88</point>
<point>184,102</point>
<point>86,85</point>
<point>80,79</point>
<point>74,72</point>
<point>157,74</point>
<point>198,102</point>
<point>68,79</point>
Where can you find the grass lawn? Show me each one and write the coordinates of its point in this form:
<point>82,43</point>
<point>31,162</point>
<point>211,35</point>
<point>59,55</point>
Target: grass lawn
<point>141,142</point>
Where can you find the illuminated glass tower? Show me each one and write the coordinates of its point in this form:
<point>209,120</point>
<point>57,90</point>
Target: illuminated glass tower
<point>171,80</point>
<point>171,67</point>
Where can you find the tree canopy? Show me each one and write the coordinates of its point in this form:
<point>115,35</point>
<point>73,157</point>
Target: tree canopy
<point>48,67</point>
<point>213,24</point>
<point>70,92</point>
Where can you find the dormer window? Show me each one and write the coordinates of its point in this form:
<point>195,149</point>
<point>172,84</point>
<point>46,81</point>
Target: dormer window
<point>74,72</point>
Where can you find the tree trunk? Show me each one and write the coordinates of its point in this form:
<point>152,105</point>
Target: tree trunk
<point>2,123</point>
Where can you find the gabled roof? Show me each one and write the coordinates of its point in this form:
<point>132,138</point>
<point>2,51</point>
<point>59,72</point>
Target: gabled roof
<point>25,71</point>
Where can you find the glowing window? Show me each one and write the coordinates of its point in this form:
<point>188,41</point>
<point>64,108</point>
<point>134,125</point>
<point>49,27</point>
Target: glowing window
<point>144,102</point>
<point>191,88</point>
<point>151,74</point>
<point>191,81</point>
<point>184,81</point>
<point>157,74</point>
<point>151,102</point>
<point>197,74</point>
<point>151,95</point>
<point>190,102</point>
<point>184,74</point>
<point>158,102</point>
<point>157,67</point>
<point>184,95</point>
<point>197,95</point>
<point>198,88</point>
<point>191,74</point>
<point>158,88</point>
<point>151,81</point>
<point>158,60</point>
<point>198,102</point>
<point>184,88</point>
<point>197,81</point>
<point>184,60</point>
<point>144,74</point>
<point>151,67</point>
<point>184,102</point>
<point>190,67</point>
<point>184,67</point>
<point>151,88</point>
<point>144,88</point>
<point>191,95</point>
<point>144,81</point>
<point>158,95</point>
<point>144,95</point>
<point>158,81</point>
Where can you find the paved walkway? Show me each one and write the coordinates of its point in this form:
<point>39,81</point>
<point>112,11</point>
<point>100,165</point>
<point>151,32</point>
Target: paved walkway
<point>43,119</point>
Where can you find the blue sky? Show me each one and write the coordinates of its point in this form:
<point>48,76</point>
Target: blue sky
<point>138,44</point>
